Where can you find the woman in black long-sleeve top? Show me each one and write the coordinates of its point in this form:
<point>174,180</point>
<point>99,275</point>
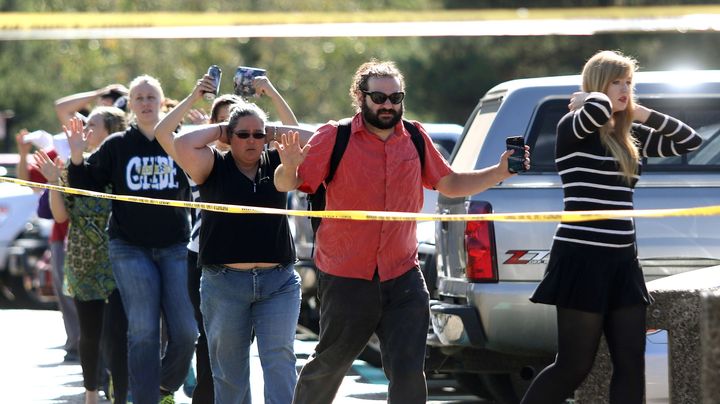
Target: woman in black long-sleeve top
<point>594,277</point>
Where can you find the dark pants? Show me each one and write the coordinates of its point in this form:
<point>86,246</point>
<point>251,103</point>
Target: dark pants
<point>90,315</point>
<point>114,345</point>
<point>351,310</point>
<point>203,392</point>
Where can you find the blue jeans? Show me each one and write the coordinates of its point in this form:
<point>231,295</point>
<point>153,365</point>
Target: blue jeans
<point>237,303</point>
<point>154,281</point>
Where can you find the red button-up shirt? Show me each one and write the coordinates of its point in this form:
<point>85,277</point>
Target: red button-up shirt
<point>372,175</point>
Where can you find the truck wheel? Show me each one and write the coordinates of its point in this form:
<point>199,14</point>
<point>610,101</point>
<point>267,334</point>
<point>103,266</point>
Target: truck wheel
<point>429,271</point>
<point>501,388</point>
<point>473,383</point>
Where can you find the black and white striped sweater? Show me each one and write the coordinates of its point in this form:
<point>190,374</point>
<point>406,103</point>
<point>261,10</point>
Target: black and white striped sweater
<point>591,176</point>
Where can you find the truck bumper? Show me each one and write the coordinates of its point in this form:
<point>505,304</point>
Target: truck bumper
<point>455,325</point>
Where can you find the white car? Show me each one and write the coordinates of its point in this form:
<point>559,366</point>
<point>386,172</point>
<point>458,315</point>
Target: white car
<point>25,273</point>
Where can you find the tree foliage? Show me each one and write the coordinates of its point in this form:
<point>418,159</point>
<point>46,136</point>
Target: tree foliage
<point>445,76</point>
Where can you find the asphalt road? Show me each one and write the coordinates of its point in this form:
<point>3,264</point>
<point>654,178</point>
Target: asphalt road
<point>32,370</point>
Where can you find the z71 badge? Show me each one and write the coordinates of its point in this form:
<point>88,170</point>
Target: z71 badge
<point>523,257</point>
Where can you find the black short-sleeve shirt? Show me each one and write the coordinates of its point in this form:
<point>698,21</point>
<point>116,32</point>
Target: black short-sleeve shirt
<point>227,238</point>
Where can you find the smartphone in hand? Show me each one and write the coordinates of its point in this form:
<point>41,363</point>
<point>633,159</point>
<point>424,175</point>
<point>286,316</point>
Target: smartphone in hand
<point>243,80</point>
<point>215,72</point>
<point>516,162</point>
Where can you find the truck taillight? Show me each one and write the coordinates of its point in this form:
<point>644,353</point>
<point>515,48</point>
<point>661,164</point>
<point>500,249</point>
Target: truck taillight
<point>480,246</point>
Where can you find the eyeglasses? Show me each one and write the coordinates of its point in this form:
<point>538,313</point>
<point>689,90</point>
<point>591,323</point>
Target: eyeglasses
<point>244,135</point>
<point>379,98</point>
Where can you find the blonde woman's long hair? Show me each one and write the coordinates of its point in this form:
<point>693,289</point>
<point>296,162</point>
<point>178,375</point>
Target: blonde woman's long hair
<point>599,71</point>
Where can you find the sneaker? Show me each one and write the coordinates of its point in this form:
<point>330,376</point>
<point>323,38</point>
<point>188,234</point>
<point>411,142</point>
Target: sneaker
<point>107,386</point>
<point>167,398</point>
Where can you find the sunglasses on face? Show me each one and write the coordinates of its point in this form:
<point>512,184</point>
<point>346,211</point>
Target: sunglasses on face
<point>379,98</point>
<point>245,134</point>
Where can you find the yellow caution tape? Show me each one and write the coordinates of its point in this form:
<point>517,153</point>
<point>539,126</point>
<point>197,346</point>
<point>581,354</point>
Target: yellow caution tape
<point>84,20</point>
<point>574,216</point>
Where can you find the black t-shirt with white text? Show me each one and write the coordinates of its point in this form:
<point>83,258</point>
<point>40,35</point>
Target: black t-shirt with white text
<point>134,165</point>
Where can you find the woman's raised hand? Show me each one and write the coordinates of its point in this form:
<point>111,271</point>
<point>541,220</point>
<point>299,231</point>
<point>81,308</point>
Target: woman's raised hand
<point>50,169</point>
<point>577,100</point>
<point>204,85</point>
<point>77,139</point>
<point>198,117</point>
<point>263,86</point>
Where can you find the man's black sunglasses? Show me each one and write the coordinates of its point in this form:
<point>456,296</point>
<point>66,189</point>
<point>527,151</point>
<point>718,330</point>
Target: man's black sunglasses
<point>244,135</point>
<point>379,98</point>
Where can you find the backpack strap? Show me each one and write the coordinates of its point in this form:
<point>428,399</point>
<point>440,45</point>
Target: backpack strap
<point>316,200</point>
<point>342,138</point>
<point>417,139</point>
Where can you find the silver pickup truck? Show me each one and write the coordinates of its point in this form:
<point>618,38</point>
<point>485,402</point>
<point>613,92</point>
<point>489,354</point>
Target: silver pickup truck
<point>484,328</point>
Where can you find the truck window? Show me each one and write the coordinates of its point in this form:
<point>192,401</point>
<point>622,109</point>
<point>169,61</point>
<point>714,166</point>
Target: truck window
<point>703,114</point>
<point>542,134</point>
<point>466,154</point>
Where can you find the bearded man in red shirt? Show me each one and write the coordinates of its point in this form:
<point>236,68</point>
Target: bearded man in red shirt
<point>369,280</point>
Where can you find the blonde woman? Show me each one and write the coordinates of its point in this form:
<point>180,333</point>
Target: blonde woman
<point>147,242</point>
<point>594,277</point>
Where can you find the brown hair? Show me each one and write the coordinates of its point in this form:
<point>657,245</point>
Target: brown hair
<point>113,118</point>
<point>221,101</point>
<point>242,110</point>
<point>368,70</point>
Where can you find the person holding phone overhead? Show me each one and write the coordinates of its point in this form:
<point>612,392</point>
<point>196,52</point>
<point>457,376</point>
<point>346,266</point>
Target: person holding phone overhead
<point>164,133</point>
<point>378,287</point>
<point>249,284</point>
<point>594,277</point>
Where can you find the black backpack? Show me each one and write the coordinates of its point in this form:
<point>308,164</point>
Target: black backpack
<point>316,201</point>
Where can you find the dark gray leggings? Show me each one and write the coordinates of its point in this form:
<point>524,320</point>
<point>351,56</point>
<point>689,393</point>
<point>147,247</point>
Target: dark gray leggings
<point>579,335</point>
<point>103,329</point>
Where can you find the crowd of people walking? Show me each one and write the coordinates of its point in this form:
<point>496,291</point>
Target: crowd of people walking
<point>149,285</point>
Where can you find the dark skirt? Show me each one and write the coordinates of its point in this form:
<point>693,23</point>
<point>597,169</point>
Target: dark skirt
<point>593,279</point>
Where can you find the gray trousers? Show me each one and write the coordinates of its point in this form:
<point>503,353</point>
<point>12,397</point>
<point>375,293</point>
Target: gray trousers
<point>351,310</point>
<point>65,303</point>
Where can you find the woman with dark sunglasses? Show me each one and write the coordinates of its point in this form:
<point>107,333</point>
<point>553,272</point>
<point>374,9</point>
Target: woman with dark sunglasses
<point>165,130</point>
<point>249,284</point>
